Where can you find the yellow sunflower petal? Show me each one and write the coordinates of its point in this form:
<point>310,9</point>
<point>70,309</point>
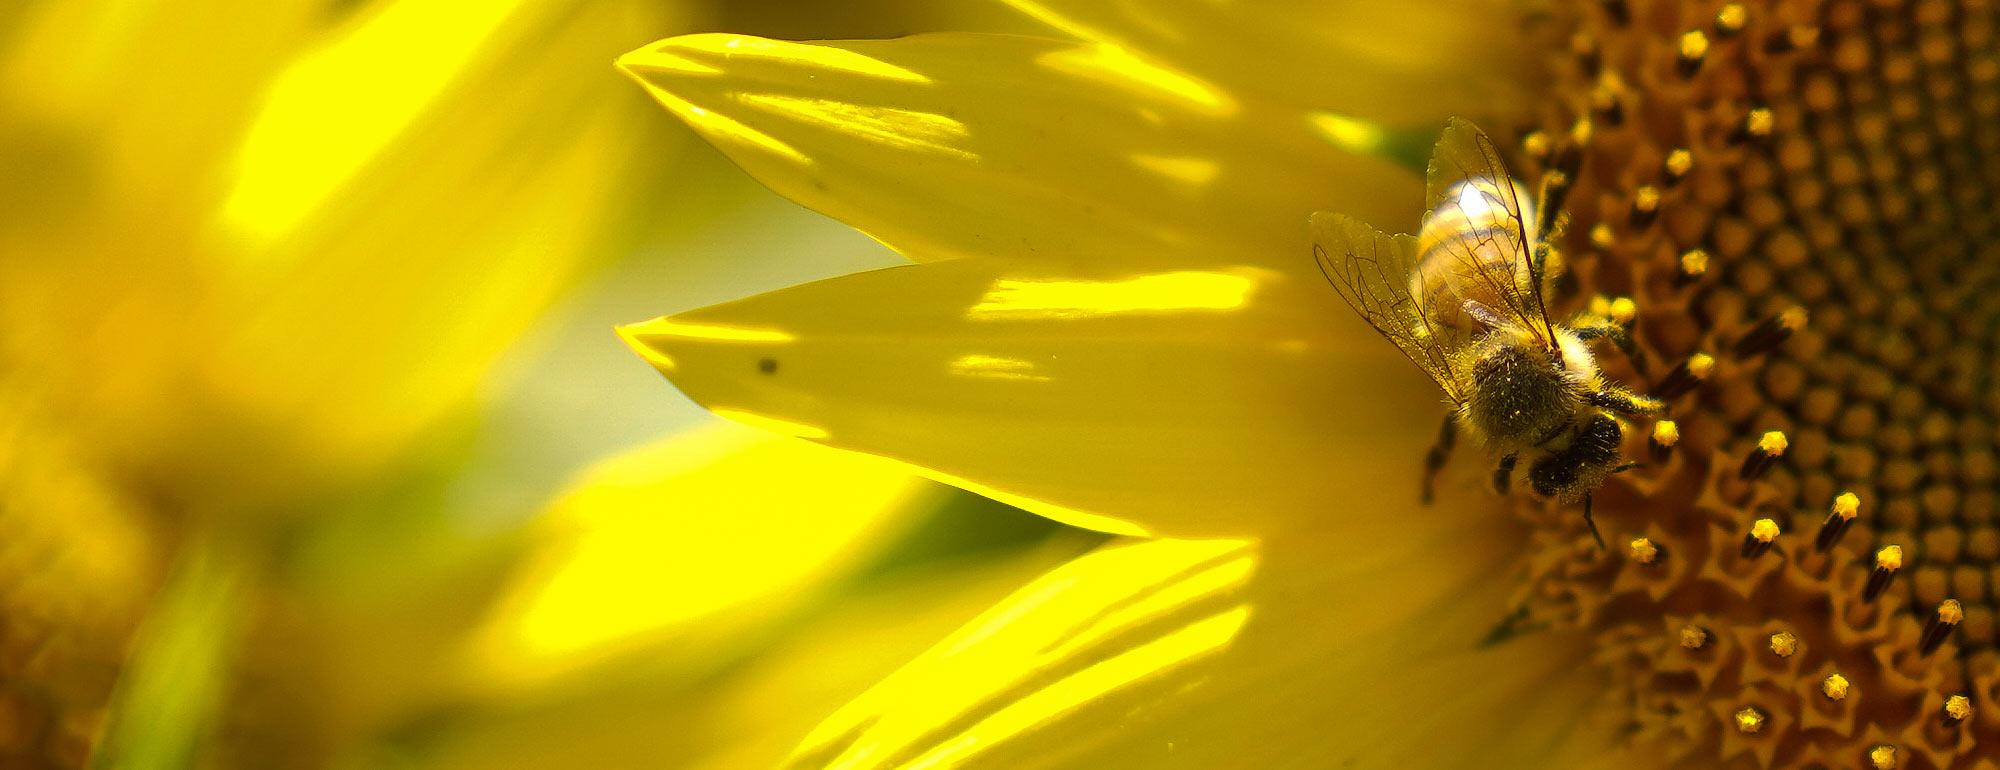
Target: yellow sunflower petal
<point>1202,400</point>
<point>954,145</point>
<point>696,539</point>
<point>746,715</point>
<point>156,91</point>
<point>1407,62</point>
<point>379,249</point>
<point>1331,652</point>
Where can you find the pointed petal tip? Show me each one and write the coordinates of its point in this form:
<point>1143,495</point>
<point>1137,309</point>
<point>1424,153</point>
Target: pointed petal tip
<point>700,54</point>
<point>640,336</point>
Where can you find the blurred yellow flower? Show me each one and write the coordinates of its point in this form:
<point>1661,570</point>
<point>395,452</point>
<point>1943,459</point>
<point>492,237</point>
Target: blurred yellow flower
<point>257,253</point>
<point>1117,325</point>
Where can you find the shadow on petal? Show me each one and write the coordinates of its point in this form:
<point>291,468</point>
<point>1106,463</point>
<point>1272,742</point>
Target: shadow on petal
<point>1328,652</point>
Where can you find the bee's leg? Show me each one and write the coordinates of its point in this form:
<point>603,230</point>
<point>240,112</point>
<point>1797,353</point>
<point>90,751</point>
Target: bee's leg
<point>1604,328</point>
<point>1439,452</point>
<point>1626,467</point>
<point>1503,474</point>
<point>1592,523</point>
<point>1623,402</point>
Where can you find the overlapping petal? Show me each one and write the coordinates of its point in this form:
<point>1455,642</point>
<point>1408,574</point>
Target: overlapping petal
<point>1362,651</point>
<point>485,176</point>
<point>368,220</point>
<point>1396,63</point>
<point>955,145</point>
<point>1195,401</point>
<point>746,715</point>
<point>689,543</point>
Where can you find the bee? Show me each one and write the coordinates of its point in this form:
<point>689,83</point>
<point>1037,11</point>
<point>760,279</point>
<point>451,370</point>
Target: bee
<point>1464,300</point>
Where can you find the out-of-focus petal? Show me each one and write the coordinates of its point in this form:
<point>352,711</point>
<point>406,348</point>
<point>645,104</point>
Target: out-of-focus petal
<point>154,92</point>
<point>1403,63</point>
<point>748,715</point>
<point>170,695</point>
<point>689,544</point>
<point>872,19</point>
<point>1203,400</point>
<point>412,195</point>
<point>1356,651</point>
<point>77,564</point>
<point>955,145</point>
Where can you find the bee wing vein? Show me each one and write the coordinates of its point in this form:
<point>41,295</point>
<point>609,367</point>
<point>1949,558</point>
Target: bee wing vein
<point>1371,270</point>
<point>1464,153</point>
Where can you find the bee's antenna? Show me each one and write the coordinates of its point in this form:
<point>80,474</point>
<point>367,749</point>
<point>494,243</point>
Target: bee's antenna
<point>1592,523</point>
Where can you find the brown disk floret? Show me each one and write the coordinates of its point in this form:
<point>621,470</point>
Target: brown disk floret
<point>1799,198</point>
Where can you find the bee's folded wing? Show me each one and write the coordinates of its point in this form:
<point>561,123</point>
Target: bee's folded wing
<point>1372,270</point>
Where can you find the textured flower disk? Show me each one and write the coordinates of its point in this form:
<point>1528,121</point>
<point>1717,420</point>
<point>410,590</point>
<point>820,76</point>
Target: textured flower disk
<point>1745,162</point>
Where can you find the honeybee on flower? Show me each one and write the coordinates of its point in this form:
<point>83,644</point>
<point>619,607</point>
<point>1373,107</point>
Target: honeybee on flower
<point>1464,299</point>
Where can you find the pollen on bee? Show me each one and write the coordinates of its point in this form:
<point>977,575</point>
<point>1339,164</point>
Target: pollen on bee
<point>1887,560</point>
<point>1730,20</point>
<point>1957,708</point>
<point>1771,332</point>
<point>1784,644</point>
<point>1694,637</point>
<point>1685,376</point>
<point>1834,687</point>
<point>1949,613</point>
<point>1882,757</point>
<point>1694,263</point>
<point>1643,551</point>
<point>1693,50</point>
<point>1666,434</point>
<point>1677,165</point>
<point>1845,508</point>
<point>1645,205</point>
<point>1770,447</point>
<point>1750,720</point>
<point>1763,533</point>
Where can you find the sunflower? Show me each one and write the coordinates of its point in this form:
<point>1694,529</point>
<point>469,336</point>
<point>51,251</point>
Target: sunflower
<point>226,227</point>
<point>1115,323</point>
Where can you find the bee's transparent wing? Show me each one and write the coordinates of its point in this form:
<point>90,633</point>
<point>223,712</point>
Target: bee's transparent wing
<point>1467,179</point>
<point>1371,270</point>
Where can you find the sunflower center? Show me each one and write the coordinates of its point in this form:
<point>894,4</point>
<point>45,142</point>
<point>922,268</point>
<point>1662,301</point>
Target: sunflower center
<point>1799,199</point>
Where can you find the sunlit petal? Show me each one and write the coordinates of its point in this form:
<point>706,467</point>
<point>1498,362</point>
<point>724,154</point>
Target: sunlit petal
<point>697,538</point>
<point>156,91</point>
<point>1358,652</point>
<point>1200,400</point>
<point>747,714</point>
<point>1408,62</point>
<point>366,278</point>
<point>954,145</point>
